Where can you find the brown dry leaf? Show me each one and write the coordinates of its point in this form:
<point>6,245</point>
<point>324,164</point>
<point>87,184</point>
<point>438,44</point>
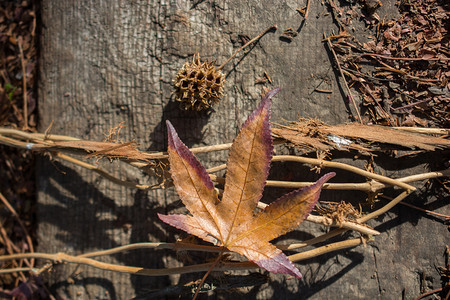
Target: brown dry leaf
<point>232,222</point>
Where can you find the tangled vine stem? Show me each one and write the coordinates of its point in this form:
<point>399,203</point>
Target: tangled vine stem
<point>42,142</point>
<point>372,186</point>
<point>342,166</point>
<point>363,219</point>
<point>84,259</point>
<point>223,266</point>
<point>47,142</point>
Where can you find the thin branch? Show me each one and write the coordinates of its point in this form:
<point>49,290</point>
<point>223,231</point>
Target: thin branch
<point>19,144</point>
<point>363,186</point>
<point>418,208</point>
<point>352,99</point>
<point>246,44</point>
<point>25,231</point>
<point>17,270</point>
<point>156,246</point>
<point>364,229</point>
<point>424,176</point>
<point>385,208</point>
<point>10,248</point>
<point>24,85</point>
<point>195,150</point>
<point>425,210</point>
<point>431,293</point>
<point>404,58</point>
<point>403,107</point>
<point>307,9</point>
<point>35,135</point>
<point>205,149</point>
<point>44,142</point>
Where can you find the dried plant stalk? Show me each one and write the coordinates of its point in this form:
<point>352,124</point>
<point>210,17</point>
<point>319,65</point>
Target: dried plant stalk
<point>59,144</point>
<point>224,266</point>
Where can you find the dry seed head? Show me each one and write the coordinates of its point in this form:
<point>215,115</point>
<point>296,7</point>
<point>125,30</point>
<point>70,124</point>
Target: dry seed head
<point>198,85</point>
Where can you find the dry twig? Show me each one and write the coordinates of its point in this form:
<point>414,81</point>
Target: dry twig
<point>350,96</point>
<point>25,231</point>
<point>273,27</point>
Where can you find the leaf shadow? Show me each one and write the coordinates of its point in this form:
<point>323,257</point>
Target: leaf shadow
<point>322,276</point>
<point>143,229</point>
<point>84,224</point>
<point>401,214</point>
<point>433,159</point>
<point>321,272</point>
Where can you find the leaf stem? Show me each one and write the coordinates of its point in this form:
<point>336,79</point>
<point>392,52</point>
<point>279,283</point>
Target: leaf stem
<point>206,274</point>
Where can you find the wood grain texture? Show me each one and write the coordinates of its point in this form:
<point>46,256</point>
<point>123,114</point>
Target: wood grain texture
<point>104,62</point>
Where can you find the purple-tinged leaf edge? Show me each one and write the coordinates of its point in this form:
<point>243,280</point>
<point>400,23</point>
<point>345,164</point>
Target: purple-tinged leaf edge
<point>183,151</point>
<point>279,264</point>
<point>320,182</point>
<point>266,104</point>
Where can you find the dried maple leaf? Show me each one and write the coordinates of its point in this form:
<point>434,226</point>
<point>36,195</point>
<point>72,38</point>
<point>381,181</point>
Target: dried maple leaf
<point>232,221</point>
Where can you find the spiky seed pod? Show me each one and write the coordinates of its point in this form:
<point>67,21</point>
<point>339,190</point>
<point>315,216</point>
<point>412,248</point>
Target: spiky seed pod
<point>198,85</point>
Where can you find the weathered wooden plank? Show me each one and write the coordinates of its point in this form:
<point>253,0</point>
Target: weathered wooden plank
<point>106,62</point>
